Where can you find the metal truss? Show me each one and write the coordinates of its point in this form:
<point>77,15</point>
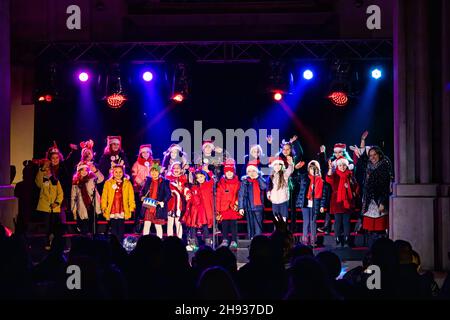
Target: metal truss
<point>215,51</point>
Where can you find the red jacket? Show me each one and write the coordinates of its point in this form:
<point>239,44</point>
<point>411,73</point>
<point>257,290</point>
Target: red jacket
<point>178,188</point>
<point>227,198</point>
<point>199,209</point>
<point>338,207</point>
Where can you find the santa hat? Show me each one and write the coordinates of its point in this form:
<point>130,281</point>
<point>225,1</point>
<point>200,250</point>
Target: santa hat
<point>275,160</point>
<point>53,149</point>
<point>206,143</point>
<point>174,164</point>
<point>145,148</point>
<point>176,147</point>
<point>229,166</point>
<point>342,160</point>
<point>114,139</point>
<point>314,163</point>
<point>339,147</point>
<point>82,165</point>
<point>253,165</point>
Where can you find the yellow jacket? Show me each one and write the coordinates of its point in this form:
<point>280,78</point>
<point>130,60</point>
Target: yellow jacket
<point>49,194</point>
<point>129,205</point>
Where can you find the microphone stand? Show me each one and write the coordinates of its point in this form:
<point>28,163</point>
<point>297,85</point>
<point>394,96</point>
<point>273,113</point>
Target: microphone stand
<point>94,205</point>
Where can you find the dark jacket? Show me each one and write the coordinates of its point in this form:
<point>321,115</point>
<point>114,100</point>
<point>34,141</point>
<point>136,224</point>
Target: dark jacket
<point>164,195</point>
<point>302,200</point>
<point>246,201</point>
<point>104,164</point>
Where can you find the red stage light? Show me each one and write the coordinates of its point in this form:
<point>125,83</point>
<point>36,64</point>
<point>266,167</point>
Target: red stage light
<point>277,96</point>
<point>48,98</point>
<point>338,98</point>
<point>116,100</point>
<point>178,97</point>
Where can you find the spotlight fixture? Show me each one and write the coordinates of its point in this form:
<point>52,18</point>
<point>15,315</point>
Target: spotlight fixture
<point>376,73</point>
<point>83,76</point>
<point>180,83</point>
<point>115,96</point>
<point>338,98</point>
<point>308,74</point>
<point>147,76</point>
<point>277,96</point>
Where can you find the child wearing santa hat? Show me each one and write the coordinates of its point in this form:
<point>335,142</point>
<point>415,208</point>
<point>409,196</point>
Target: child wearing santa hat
<point>251,199</point>
<point>211,159</point>
<point>156,188</point>
<point>87,151</point>
<point>139,173</point>
<point>278,189</point>
<point>113,155</point>
<point>117,200</point>
<point>85,199</point>
<point>173,154</point>
<point>344,189</point>
<point>50,198</point>
<point>227,195</point>
<point>312,198</point>
<point>200,209</point>
<point>179,188</point>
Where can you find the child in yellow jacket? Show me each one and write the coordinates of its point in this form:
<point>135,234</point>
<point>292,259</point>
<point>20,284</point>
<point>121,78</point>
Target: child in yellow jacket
<point>50,198</point>
<point>118,201</point>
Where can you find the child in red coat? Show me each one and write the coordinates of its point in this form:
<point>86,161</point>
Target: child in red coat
<point>343,195</point>
<point>199,211</point>
<point>227,205</point>
<point>177,204</point>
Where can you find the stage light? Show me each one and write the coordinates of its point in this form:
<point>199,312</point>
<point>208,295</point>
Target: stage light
<point>338,98</point>
<point>116,100</point>
<point>277,96</point>
<point>147,76</point>
<point>178,97</point>
<point>83,76</point>
<point>376,74</point>
<point>45,98</point>
<point>308,74</point>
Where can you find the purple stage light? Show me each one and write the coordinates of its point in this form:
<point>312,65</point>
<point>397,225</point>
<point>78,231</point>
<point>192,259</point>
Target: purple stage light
<point>83,76</point>
<point>147,76</point>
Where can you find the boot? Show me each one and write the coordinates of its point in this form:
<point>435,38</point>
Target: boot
<point>346,242</point>
<point>338,241</point>
<point>208,242</point>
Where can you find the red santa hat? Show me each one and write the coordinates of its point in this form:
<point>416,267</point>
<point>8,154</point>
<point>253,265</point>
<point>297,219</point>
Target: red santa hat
<point>176,147</point>
<point>53,149</point>
<point>114,139</point>
<point>342,160</point>
<point>206,143</point>
<point>253,164</point>
<point>339,147</point>
<point>145,148</point>
<point>314,163</point>
<point>275,160</point>
<point>229,165</point>
<point>82,165</point>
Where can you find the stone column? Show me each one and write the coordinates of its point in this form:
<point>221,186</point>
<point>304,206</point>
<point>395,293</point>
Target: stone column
<point>420,204</point>
<point>8,204</point>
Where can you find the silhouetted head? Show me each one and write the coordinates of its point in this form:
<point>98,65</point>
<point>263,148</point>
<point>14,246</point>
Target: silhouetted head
<point>331,262</point>
<point>216,284</point>
<point>226,259</point>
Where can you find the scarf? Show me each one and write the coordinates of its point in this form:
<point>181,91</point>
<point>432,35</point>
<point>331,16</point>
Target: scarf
<point>142,161</point>
<point>344,192</point>
<point>256,191</point>
<point>317,184</point>
<point>87,200</point>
